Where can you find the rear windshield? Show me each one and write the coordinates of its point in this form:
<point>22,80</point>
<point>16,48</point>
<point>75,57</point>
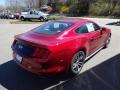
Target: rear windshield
<point>52,28</point>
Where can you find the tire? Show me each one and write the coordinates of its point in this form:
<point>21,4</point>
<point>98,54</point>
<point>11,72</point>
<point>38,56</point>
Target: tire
<point>42,19</point>
<point>107,42</point>
<point>77,62</point>
<point>22,19</point>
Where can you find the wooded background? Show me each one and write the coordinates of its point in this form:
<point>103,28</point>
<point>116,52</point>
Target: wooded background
<point>71,7</point>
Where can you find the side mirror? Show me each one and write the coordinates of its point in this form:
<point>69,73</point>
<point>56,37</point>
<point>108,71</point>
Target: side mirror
<point>103,28</point>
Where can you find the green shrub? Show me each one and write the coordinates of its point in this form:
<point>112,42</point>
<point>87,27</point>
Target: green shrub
<point>99,9</point>
<point>104,8</point>
<point>80,8</point>
<point>89,7</point>
<point>64,9</point>
<point>58,7</point>
<point>116,11</point>
<point>54,17</point>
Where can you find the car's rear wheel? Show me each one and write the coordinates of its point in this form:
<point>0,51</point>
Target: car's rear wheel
<point>22,18</point>
<point>77,62</point>
<point>107,42</point>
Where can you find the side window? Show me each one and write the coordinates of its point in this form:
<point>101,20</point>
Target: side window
<point>35,13</point>
<point>31,12</point>
<point>82,29</point>
<point>96,27</point>
<point>90,27</point>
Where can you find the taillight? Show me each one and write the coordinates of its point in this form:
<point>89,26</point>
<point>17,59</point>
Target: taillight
<point>41,53</point>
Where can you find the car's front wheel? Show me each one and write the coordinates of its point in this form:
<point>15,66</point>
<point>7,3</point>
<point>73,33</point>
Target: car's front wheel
<point>42,19</point>
<point>107,41</point>
<point>77,62</point>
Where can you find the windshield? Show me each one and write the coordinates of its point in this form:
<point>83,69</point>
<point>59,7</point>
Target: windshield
<point>52,28</point>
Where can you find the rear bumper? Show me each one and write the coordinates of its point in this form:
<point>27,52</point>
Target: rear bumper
<point>39,68</point>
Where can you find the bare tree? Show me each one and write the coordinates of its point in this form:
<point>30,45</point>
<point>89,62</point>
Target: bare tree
<point>1,8</point>
<point>15,5</point>
<point>113,4</point>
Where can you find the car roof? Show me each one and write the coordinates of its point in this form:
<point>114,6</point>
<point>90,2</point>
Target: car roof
<point>74,20</point>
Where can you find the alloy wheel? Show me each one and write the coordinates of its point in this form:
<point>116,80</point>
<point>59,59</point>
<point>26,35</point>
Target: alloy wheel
<point>77,62</point>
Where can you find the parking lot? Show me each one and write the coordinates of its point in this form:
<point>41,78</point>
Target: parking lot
<point>95,71</point>
<point>5,21</point>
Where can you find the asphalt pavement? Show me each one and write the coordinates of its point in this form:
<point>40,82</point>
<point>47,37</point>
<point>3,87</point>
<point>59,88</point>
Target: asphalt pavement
<point>101,72</point>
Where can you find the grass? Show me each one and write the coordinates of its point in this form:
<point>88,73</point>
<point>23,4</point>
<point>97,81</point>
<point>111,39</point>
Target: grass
<point>55,17</point>
<point>25,22</point>
<point>109,17</point>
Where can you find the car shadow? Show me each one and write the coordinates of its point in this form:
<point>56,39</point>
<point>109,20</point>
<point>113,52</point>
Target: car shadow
<point>13,77</point>
<point>105,76</point>
<point>114,23</point>
<point>36,21</point>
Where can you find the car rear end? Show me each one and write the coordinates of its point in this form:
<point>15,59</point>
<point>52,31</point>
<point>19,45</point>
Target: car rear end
<point>35,58</point>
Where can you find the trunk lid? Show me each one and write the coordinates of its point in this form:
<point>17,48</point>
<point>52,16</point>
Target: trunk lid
<point>38,39</point>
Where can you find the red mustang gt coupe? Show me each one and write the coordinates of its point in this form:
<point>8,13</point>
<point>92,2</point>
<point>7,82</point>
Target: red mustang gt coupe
<point>59,46</point>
